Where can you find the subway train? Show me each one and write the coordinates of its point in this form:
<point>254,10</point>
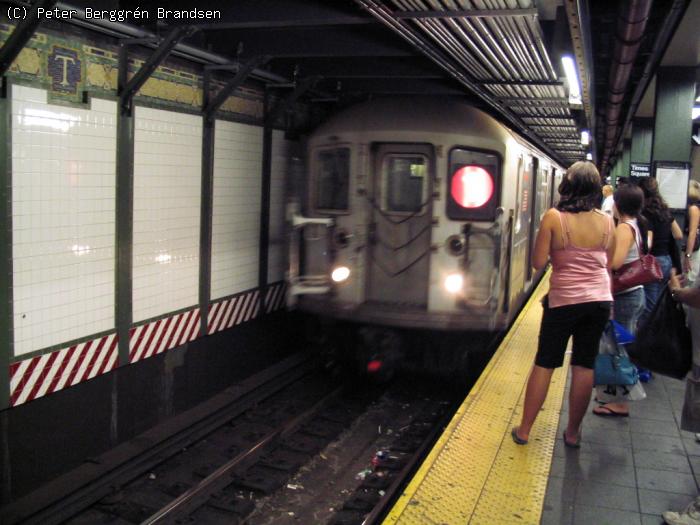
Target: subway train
<point>416,216</point>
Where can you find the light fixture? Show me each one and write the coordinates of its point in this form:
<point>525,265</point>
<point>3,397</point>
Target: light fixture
<point>589,156</point>
<point>454,283</point>
<point>572,79</point>
<point>696,112</point>
<point>340,274</point>
<point>585,138</point>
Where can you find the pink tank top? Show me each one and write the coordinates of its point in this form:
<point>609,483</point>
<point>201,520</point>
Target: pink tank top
<point>579,275</point>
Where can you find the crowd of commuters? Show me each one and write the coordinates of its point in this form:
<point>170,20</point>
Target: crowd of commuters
<point>591,232</point>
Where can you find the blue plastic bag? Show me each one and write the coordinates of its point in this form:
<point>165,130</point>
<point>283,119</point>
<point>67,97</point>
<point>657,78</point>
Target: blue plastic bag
<point>621,334</point>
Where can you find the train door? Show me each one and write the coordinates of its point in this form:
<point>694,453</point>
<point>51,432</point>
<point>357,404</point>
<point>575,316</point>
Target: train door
<point>530,199</point>
<point>520,259</point>
<point>400,228</point>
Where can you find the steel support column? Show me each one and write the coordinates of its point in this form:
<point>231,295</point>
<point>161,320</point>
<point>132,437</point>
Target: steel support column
<point>127,89</point>
<point>210,107</point>
<point>271,116</point>
<point>264,246</point>
<point>125,231</point>
<point>6,299</point>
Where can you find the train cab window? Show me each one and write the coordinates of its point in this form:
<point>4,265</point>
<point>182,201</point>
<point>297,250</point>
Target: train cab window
<point>473,185</point>
<point>404,183</point>
<point>333,179</point>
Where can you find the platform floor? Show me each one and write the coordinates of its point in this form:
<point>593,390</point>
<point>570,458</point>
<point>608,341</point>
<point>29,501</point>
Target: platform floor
<point>628,470</point>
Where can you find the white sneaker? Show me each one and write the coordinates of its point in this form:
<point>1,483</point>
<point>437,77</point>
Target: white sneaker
<point>688,516</point>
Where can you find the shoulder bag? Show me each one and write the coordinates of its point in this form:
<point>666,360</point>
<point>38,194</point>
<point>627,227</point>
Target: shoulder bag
<point>663,342</point>
<point>644,270</point>
<point>613,367</point>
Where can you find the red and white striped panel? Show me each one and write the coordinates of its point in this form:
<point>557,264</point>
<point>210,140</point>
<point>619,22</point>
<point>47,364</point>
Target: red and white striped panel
<point>37,376</point>
<point>158,336</point>
<point>275,296</point>
<point>232,311</point>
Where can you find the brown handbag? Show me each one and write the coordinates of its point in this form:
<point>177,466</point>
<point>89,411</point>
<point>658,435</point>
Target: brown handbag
<point>644,270</point>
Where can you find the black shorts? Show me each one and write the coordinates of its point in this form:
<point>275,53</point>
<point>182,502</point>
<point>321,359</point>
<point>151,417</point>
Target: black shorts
<point>584,321</point>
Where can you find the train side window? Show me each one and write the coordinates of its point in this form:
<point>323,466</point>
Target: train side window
<point>473,184</point>
<point>404,183</point>
<point>333,179</point>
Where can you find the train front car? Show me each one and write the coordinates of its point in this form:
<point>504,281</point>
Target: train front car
<point>410,226</point>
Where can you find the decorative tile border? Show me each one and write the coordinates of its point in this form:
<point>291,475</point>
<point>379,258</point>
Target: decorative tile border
<point>244,307</point>
<point>48,373</point>
<point>276,296</point>
<point>233,311</point>
<point>38,376</point>
<point>158,336</point>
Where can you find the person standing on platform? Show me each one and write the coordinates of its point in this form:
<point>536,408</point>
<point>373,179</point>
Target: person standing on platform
<point>608,202</point>
<point>628,304</point>
<point>579,240</point>
<point>663,234</point>
<point>691,262</point>
<point>689,421</point>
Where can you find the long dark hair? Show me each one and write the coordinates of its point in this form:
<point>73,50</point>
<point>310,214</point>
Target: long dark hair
<point>629,199</point>
<point>655,206</point>
<point>580,189</point>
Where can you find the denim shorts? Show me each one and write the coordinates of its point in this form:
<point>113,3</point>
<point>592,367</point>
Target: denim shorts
<point>584,321</point>
<point>628,308</point>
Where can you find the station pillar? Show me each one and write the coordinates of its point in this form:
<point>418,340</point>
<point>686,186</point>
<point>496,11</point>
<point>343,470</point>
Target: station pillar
<point>642,138</point>
<point>675,95</point>
<point>625,159</point>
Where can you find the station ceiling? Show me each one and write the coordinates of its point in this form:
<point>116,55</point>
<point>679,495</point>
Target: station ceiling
<point>503,56</point>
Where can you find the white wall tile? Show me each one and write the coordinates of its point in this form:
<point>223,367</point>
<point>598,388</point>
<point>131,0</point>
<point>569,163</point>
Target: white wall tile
<point>167,195</point>
<point>236,208</point>
<point>63,191</point>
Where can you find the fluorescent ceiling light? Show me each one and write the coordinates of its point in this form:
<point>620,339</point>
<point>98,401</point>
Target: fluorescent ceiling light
<point>696,112</point>
<point>585,138</point>
<point>589,156</point>
<point>572,79</point>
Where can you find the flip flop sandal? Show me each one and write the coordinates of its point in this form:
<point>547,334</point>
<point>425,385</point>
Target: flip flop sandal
<point>605,411</point>
<point>516,439</point>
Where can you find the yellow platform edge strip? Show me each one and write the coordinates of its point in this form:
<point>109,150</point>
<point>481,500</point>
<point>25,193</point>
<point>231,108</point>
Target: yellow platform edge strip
<point>475,473</point>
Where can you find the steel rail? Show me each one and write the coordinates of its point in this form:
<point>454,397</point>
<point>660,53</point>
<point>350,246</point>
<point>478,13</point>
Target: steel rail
<point>411,466</point>
<point>70,495</point>
<point>216,479</point>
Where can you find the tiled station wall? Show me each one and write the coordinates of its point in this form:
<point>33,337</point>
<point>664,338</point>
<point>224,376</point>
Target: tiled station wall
<point>63,236</point>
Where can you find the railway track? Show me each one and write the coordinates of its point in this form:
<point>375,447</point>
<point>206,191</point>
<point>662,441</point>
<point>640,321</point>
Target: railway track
<point>295,447</point>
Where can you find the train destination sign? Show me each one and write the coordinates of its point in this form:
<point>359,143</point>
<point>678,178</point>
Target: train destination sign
<point>639,169</point>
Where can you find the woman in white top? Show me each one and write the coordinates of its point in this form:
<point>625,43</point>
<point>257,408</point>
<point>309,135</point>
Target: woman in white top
<point>628,305</point>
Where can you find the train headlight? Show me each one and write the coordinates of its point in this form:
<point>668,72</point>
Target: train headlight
<point>454,283</point>
<point>340,274</point>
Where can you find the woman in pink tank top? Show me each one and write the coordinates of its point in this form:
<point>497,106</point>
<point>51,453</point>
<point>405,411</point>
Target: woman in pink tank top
<point>579,240</point>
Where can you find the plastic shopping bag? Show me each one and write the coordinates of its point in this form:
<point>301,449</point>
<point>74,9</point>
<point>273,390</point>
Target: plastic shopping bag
<point>610,344</point>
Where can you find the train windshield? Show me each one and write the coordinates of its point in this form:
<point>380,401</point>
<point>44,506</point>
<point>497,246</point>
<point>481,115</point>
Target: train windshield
<point>405,183</point>
<point>332,179</point>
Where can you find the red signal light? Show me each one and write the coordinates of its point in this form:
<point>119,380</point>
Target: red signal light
<point>373,366</point>
<point>472,186</point>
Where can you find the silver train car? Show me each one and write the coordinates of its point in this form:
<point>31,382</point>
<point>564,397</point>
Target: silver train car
<point>420,214</point>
